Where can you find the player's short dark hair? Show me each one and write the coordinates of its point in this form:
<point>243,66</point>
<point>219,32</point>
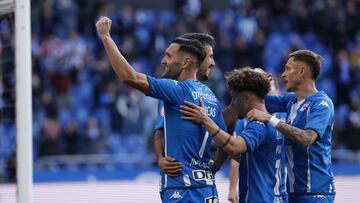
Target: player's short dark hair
<point>204,39</point>
<point>191,46</point>
<point>312,59</point>
<point>247,79</point>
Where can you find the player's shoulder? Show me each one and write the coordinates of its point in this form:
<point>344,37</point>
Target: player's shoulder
<point>290,96</point>
<point>257,125</point>
<point>322,100</point>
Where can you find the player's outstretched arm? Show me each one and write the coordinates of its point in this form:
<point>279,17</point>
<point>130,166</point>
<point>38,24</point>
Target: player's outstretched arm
<point>195,113</point>
<point>121,67</point>
<point>300,136</point>
<point>167,164</point>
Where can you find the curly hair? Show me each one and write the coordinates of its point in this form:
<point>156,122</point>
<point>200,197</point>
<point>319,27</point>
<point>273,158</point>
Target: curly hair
<point>247,79</point>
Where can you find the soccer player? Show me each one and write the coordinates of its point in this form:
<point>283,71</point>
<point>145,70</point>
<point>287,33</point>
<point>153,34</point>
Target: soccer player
<point>240,189</point>
<point>262,144</point>
<point>168,164</point>
<point>308,130</point>
<point>187,142</point>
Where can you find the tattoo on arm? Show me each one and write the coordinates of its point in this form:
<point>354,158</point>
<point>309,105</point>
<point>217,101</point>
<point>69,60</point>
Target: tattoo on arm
<point>303,137</point>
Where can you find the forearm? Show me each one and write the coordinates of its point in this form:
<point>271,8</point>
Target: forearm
<point>221,157</point>
<point>122,68</point>
<point>303,137</point>
<point>229,115</point>
<point>234,174</point>
<point>158,144</point>
<point>232,146</point>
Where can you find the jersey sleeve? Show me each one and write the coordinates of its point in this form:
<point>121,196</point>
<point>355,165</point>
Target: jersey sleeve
<point>319,116</point>
<point>278,103</point>
<point>239,127</point>
<point>165,89</point>
<point>254,135</point>
<point>159,123</point>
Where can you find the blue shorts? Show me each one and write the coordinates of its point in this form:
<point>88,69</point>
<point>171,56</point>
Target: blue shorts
<point>313,198</point>
<point>190,195</point>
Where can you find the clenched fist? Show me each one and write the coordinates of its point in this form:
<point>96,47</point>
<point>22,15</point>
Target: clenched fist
<point>103,26</point>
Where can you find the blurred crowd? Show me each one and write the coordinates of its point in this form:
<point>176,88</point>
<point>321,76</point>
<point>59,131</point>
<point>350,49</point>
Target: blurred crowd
<point>79,106</point>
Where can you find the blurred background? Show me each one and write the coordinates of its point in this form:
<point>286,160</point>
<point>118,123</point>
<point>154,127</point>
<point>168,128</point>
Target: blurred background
<point>88,126</point>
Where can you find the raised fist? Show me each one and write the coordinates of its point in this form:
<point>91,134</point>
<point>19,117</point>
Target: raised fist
<point>103,26</point>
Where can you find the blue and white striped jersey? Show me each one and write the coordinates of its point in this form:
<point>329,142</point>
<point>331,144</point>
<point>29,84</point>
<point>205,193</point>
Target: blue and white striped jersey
<point>309,168</point>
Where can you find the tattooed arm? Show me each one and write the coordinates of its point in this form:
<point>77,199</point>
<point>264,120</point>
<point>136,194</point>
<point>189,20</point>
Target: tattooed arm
<point>300,136</point>
<point>303,137</point>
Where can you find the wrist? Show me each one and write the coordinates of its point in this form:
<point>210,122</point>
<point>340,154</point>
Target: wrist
<point>273,121</point>
<point>104,37</point>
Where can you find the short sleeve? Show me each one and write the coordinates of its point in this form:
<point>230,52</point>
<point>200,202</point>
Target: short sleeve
<point>166,89</point>
<point>254,135</point>
<point>159,123</point>
<point>240,126</point>
<point>278,103</point>
<point>319,116</point>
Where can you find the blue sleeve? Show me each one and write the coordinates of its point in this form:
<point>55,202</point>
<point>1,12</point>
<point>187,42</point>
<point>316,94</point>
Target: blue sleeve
<point>159,123</point>
<point>254,135</point>
<point>166,89</point>
<point>240,126</point>
<point>278,103</point>
<point>319,117</point>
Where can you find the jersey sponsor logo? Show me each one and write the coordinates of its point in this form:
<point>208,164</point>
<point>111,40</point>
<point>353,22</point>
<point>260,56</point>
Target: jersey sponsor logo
<point>203,175</point>
<point>176,195</point>
<point>204,96</point>
<point>305,106</point>
<point>324,103</point>
<point>212,199</point>
<point>201,164</point>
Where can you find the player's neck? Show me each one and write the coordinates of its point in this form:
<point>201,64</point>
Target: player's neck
<point>306,89</point>
<point>259,105</point>
<point>187,75</point>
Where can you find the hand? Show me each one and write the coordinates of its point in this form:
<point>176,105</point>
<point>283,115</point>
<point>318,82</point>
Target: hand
<point>196,113</point>
<point>257,115</point>
<point>233,196</point>
<point>103,26</point>
<point>170,166</point>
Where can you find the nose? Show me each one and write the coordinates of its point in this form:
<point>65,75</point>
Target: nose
<point>163,61</point>
<point>212,63</point>
<point>283,75</point>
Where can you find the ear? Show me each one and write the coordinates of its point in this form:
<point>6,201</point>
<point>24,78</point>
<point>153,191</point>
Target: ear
<point>247,97</point>
<point>303,71</point>
<point>187,62</point>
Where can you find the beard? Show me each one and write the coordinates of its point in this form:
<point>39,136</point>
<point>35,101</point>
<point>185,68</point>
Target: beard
<point>202,74</point>
<point>172,72</point>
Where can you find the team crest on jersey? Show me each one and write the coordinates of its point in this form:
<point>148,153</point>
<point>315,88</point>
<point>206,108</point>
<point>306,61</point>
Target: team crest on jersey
<point>162,112</point>
<point>305,106</point>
